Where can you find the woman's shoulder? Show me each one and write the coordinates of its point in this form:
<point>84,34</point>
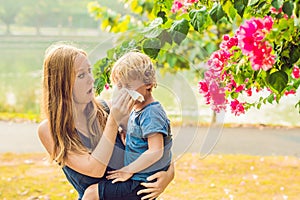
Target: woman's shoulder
<point>45,135</point>
<point>43,129</point>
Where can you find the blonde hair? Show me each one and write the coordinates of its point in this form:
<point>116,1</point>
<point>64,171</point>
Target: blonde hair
<point>58,104</point>
<point>133,66</point>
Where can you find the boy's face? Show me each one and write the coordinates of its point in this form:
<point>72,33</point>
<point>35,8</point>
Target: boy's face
<point>130,84</point>
<point>136,85</point>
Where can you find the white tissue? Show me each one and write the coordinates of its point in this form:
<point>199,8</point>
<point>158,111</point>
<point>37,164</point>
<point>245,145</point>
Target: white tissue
<point>135,95</point>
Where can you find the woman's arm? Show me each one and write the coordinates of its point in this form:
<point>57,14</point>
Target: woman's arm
<point>94,164</point>
<point>154,189</point>
<point>85,163</point>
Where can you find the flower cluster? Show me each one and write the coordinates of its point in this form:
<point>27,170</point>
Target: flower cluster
<point>182,5</point>
<point>250,39</point>
<point>210,87</point>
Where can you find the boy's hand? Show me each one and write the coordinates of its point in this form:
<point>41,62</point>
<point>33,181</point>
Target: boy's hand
<point>120,175</point>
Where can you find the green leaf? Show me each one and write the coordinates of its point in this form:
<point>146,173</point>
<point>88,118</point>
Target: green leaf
<point>217,12</point>
<point>156,23</point>
<point>297,9</point>
<point>100,66</point>
<point>110,53</point>
<point>294,53</point>
<point>258,105</point>
<point>287,8</point>
<point>179,30</point>
<point>234,95</point>
<point>171,59</point>
<point>240,6</point>
<point>99,85</point>
<point>182,63</point>
<point>296,83</point>
<point>298,105</point>
<point>164,37</point>
<point>153,33</point>
<point>270,98</point>
<point>253,2</point>
<point>198,18</point>
<point>151,47</point>
<point>101,73</point>
<point>278,81</point>
<point>168,4</point>
<point>153,30</point>
<point>264,101</point>
<point>276,4</point>
<point>229,10</point>
<point>162,14</point>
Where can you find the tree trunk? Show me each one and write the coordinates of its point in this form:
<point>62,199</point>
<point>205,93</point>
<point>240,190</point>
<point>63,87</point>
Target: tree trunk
<point>8,32</point>
<point>214,118</point>
<point>38,30</point>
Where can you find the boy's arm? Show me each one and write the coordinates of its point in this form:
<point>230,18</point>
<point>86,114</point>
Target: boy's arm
<point>149,157</point>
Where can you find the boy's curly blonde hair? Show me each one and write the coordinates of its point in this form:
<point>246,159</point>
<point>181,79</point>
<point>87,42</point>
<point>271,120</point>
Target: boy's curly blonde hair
<point>133,66</point>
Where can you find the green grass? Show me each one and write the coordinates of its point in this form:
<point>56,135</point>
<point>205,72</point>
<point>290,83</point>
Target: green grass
<point>29,176</point>
<point>19,117</point>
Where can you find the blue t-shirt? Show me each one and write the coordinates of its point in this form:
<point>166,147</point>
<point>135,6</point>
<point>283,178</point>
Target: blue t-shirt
<point>141,124</point>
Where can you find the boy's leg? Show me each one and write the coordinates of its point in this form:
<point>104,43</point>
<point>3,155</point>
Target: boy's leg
<point>91,193</point>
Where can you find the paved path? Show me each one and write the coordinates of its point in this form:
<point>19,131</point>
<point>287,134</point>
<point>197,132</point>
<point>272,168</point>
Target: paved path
<point>22,138</point>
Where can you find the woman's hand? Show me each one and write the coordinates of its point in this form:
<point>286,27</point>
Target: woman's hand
<point>122,104</point>
<point>154,189</point>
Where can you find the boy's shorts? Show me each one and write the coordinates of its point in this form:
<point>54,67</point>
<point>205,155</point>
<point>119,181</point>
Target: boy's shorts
<point>120,190</point>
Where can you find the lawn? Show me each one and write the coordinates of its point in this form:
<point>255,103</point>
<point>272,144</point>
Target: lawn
<point>220,177</point>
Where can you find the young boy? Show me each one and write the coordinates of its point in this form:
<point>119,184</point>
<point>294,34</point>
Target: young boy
<point>148,134</point>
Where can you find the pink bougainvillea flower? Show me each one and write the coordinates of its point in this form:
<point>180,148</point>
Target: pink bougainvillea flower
<point>239,88</point>
<point>192,1</point>
<point>276,11</point>
<point>217,93</point>
<point>237,108</point>
<point>228,42</point>
<point>268,23</point>
<point>289,92</point>
<point>296,72</point>
<point>182,5</point>
<point>203,88</point>
<point>249,92</point>
<point>262,58</point>
<point>106,86</point>
<point>251,41</point>
<point>177,5</point>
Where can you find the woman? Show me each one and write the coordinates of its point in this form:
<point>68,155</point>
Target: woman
<point>78,133</point>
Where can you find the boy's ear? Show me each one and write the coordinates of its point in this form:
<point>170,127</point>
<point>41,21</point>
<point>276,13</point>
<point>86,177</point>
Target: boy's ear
<point>149,86</point>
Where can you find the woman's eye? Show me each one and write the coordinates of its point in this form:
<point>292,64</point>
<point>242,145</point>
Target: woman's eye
<point>81,75</point>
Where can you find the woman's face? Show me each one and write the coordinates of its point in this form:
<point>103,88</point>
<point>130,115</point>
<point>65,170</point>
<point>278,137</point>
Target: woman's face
<point>83,90</point>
